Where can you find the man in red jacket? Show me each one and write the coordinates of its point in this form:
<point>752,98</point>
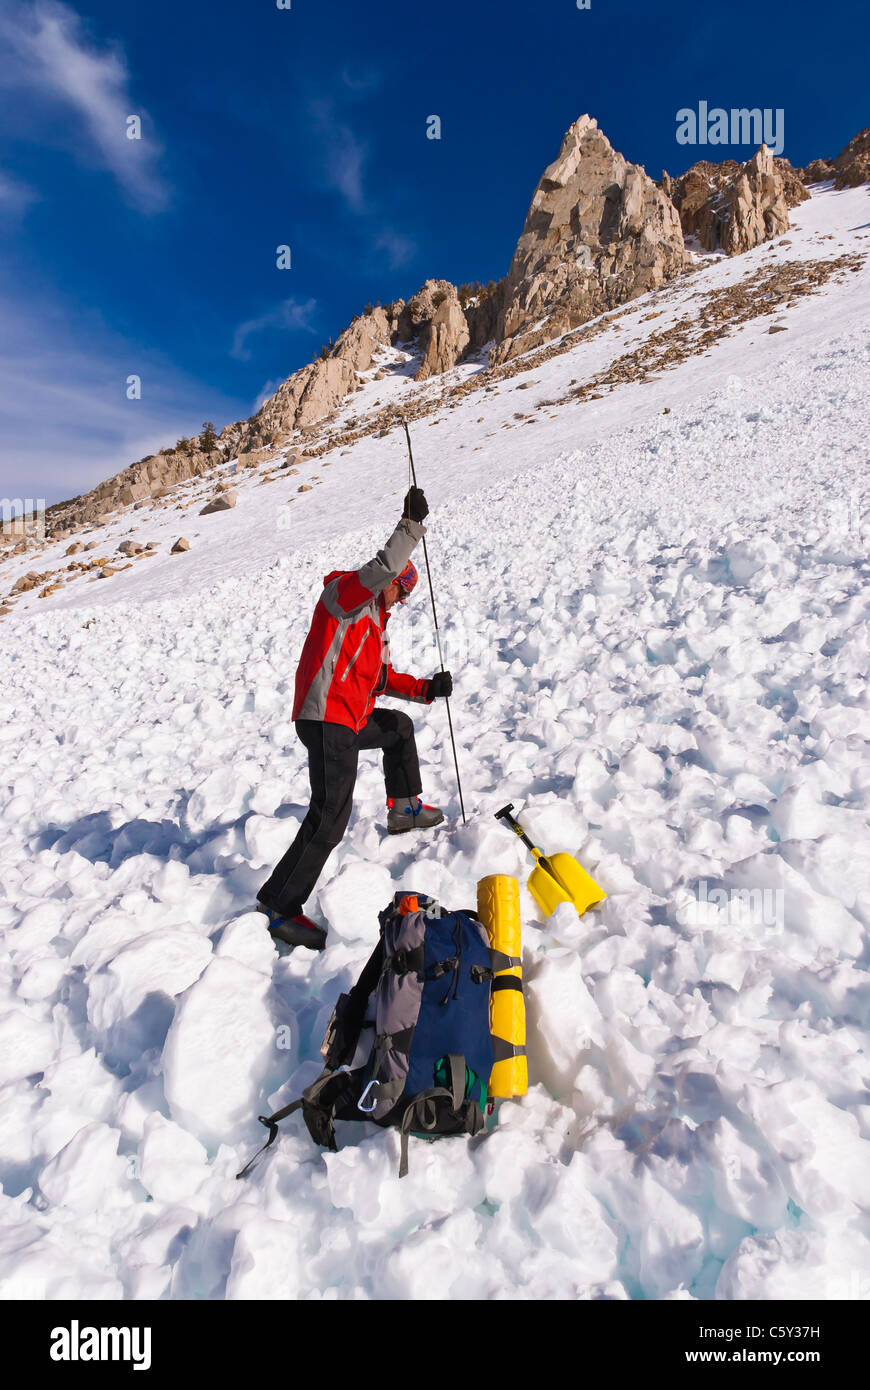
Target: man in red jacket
<point>345,665</point>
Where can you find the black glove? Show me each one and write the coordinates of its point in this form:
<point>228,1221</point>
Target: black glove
<point>440,686</point>
<point>415,505</point>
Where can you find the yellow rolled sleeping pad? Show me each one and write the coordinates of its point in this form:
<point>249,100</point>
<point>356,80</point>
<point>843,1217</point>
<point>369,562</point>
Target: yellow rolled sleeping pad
<point>498,906</point>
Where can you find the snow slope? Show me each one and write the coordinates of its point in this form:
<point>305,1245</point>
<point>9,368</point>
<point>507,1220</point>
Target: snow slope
<point>657,624</point>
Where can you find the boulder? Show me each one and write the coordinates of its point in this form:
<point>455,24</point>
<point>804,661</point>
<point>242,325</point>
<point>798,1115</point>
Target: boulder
<point>132,492</point>
<point>180,546</point>
<point>129,548</point>
<point>27,582</point>
<point>221,503</point>
<point>598,233</point>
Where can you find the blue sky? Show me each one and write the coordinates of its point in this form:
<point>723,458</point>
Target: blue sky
<point>306,127</point>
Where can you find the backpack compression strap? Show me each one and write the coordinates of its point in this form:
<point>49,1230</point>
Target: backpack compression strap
<point>423,1114</point>
<point>348,1016</point>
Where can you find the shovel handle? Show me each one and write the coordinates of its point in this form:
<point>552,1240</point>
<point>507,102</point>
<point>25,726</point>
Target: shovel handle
<point>514,825</point>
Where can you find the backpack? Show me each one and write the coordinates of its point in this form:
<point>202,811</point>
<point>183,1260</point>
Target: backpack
<point>426,989</point>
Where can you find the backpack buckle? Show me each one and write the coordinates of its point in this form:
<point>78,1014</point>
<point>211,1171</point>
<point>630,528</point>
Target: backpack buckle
<point>367,1109</point>
<point>442,967</point>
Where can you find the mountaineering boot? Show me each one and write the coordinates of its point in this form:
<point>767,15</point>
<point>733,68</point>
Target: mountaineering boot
<point>295,931</point>
<point>412,816</point>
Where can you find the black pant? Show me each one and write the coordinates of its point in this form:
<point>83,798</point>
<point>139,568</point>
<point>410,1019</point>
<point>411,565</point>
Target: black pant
<point>333,753</point>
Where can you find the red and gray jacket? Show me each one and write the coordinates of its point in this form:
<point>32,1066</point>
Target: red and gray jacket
<point>345,663</point>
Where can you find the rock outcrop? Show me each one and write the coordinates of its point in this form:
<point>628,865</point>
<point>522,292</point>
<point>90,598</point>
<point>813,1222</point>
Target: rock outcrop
<point>148,478</point>
<point>852,165</point>
<point>794,187</point>
<point>312,393</point>
<point>818,171</point>
<point>598,233</point>
<point>444,338</point>
<point>415,316</point>
<point>849,169</point>
<point>732,207</point>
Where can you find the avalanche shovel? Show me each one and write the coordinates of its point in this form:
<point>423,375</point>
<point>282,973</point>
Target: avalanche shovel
<point>556,878</point>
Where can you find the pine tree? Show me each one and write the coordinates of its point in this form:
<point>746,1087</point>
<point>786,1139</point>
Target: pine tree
<point>208,439</point>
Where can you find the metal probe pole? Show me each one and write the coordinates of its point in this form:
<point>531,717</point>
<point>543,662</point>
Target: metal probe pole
<point>437,633</point>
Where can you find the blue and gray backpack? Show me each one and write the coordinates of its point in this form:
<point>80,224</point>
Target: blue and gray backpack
<point>426,992</point>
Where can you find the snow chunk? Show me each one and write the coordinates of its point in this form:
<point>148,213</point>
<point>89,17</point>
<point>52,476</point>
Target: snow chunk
<point>354,897</point>
<point>215,1052</point>
<point>562,1021</point>
<point>88,1172</point>
<point>172,1164</point>
<point>27,1045</point>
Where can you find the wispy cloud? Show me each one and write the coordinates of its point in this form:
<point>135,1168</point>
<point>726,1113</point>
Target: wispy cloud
<point>362,83</point>
<point>287,316</point>
<point>15,195</point>
<point>59,65</point>
<point>343,153</point>
<point>65,420</point>
<point>343,159</point>
<point>399,249</point>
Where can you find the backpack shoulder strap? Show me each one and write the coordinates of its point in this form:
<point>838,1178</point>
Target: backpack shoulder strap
<point>333,1095</point>
<point>271,1122</point>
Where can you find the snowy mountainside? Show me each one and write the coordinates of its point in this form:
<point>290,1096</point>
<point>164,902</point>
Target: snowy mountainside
<point>655,607</point>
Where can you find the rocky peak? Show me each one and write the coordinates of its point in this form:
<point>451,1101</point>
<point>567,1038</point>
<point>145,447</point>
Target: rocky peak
<point>598,232</point>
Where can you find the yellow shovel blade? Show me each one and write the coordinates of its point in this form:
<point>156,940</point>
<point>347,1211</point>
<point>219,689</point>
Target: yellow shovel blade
<point>568,883</point>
